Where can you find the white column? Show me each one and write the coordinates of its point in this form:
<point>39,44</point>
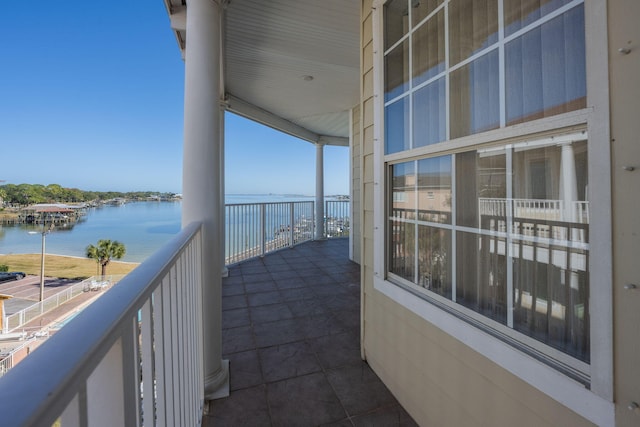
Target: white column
<point>222,221</point>
<point>319,191</point>
<point>201,174</point>
<point>568,182</point>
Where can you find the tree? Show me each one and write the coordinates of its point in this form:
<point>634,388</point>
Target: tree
<point>105,252</point>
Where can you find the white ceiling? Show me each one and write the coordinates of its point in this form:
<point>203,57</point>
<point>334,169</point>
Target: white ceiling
<point>273,46</point>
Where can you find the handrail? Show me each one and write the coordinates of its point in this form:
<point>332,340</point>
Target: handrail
<point>88,369</point>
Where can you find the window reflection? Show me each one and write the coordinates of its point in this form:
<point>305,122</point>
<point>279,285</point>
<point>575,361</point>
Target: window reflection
<point>475,103</point>
<point>481,274</point>
<point>473,26</point>
<point>520,13</point>
<point>396,126</point>
<point>422,8</point>
<point>396,21</point>
<point>434,260</point>
<point>520,223</point>
<point>434,190</point>
<point>396,72</point>
<point>550,245</point>
<point>545,69</point>
<point>428,49</point>
<point>429,118</point>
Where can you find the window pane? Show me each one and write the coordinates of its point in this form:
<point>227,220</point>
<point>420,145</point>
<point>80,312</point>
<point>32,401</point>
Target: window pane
<point>475,103</point>
<point>396,21</point>
<point>520,13</point>
<point>434,260</point>
<point>481,274</point>
<point>545,69</point>
<point>402,254</point>
<point>403,190</point>
<point>428,49</point>
<point>481,193</point>
<point>422,8</point>
<point>396,126</point>
<point>429,114</point>
<point>396,72</point>
<point>473,26</point>
<point>434,190</point>
<point>551,236</point>
<point>551,290</point>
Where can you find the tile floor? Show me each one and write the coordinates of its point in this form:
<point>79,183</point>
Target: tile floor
<point>291,327</point>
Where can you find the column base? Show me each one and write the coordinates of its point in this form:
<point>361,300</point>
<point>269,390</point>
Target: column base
<point>217,386</point>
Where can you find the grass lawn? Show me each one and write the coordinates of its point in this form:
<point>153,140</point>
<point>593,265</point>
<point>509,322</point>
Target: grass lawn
<point>63,267</point>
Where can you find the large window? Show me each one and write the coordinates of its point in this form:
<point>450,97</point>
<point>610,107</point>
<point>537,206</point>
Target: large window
<point>502,231</point>
<point>496,231</point>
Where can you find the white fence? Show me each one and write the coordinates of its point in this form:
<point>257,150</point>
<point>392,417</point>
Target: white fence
<point>134,358</point>
<point>8,361</point>
<point>552,210</point>
<point>24,316</point>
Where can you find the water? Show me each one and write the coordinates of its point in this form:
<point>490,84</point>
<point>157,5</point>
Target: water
<point>143,227</point>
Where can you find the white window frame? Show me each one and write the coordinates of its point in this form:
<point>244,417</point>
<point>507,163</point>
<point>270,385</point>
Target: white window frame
<point>594,404</point>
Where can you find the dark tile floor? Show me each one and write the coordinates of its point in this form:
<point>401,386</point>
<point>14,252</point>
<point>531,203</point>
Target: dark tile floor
<point>291,328</point>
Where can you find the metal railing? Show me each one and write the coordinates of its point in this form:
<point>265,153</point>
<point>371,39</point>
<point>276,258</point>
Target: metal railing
<point>255,229</point>
<point>24,316</point>
<point>134,358</point>
<point>336,218</point>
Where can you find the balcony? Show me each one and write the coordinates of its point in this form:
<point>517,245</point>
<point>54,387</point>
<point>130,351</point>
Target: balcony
<point>290,329</point>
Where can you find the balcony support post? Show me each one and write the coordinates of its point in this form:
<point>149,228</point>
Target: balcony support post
<point>202,174</point>
<point>320,191</point>
<point>568,185</point>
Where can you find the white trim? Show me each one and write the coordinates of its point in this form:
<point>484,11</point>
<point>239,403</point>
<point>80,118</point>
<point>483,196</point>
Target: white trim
<point>601,263</point>
<point>379,211</point>
<point>569,393</point>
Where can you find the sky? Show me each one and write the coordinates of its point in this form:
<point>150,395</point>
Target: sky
<point>91,97</point>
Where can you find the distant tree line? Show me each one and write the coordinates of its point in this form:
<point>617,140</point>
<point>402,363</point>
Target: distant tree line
<point>27,194</point>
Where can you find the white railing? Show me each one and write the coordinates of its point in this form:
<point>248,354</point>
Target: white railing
<point>26,315</point>
<point>133,358</point>
<point>336,221</point>
<point>255,229</point>
<point>8,361</point>
<point>551,210</point>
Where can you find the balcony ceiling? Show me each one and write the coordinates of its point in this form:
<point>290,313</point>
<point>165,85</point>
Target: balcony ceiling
<point>289,64</point>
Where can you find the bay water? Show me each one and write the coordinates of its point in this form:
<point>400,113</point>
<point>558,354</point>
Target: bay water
<point>143,227</point>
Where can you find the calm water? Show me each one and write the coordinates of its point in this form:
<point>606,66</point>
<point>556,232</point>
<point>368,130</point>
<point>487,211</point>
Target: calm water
<point>143,227</point>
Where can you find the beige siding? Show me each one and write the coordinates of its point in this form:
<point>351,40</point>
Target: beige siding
<point>438,379</point>
<point>624,31</point>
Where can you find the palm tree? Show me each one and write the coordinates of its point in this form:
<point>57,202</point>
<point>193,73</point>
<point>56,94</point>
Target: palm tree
<point>105,252</point>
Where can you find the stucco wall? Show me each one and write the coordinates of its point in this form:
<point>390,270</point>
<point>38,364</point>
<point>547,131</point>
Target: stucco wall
<point>438,379</point>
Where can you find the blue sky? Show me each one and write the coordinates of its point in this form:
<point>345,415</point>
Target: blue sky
<point>91,97</point>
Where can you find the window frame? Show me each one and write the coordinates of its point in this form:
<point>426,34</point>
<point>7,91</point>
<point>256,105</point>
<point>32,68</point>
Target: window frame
<point>594,402</point>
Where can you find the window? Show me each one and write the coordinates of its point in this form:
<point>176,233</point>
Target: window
<point>495,231</point>
<point>502,231</point>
